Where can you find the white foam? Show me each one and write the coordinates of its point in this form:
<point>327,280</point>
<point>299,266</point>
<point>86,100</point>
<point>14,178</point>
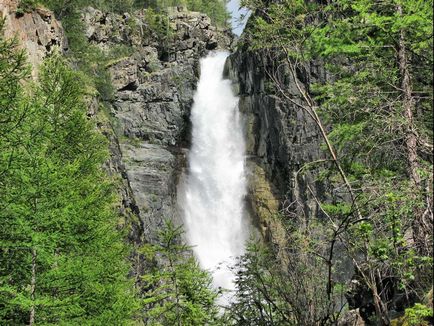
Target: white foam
<point>216,183</point>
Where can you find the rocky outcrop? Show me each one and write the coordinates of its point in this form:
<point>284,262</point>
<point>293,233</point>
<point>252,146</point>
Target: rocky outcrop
<point>281,140</point>
<point>351,318</point>
<point>38,32</point>
<point>153,94</point>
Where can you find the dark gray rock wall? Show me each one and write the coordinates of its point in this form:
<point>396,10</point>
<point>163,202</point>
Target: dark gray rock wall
<point>285,157</point>
<point>281,137</point>
<point>153,95</point>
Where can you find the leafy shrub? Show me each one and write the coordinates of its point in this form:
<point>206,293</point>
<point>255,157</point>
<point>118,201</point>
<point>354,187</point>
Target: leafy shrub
<point>26,6</point>
<point>418,315</point>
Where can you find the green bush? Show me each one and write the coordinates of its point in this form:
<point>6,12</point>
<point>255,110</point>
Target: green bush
<point>417,315</point>
<point>26,6</point>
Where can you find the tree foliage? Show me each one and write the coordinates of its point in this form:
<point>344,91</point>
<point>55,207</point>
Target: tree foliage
<point>62,258</point>
<point>215,9</point>
<point>179,292</point>
<point>271,294</point>
<point>374,113</point>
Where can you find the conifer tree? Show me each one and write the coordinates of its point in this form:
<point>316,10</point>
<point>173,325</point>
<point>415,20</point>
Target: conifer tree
<point>62,258</point>
<point>179,291</point>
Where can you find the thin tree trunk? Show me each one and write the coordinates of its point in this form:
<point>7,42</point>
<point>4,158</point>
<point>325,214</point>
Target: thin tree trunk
<point>380,309</point>
<point>409,105</point>
<point>33,288</point>
<point>409,108</point>
<point>311,110</point>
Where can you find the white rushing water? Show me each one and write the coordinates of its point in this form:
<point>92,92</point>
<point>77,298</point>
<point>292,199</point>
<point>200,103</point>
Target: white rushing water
<point>216,184</point>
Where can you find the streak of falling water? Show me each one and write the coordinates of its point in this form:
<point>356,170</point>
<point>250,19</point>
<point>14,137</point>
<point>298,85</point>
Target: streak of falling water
<point>216,183</point>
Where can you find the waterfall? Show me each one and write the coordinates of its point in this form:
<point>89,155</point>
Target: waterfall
<point>216,184</point>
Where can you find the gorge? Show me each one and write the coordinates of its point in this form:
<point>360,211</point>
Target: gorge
<point>142,142</point>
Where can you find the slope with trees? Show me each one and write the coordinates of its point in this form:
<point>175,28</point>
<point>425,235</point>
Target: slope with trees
<point>373,114</point>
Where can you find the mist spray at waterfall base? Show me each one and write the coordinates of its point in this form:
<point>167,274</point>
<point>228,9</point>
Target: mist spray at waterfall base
<point>215,186</point>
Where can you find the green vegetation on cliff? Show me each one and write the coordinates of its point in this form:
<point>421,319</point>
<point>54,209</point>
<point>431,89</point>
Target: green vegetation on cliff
<point>215,9</point>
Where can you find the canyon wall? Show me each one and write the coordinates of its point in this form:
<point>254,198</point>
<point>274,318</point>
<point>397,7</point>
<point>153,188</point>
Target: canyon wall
<point>281,139</point>
<point>145,115</point>
<point>149,112</point>
<point>38,32</point>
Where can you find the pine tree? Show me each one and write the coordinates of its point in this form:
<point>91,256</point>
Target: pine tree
<point>62,258</point>
<point>179,291</point>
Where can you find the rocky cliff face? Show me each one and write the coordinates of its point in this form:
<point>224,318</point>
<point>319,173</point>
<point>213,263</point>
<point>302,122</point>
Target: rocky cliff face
<point>38,32</point>
<point>281,139</point>
<point>284,149</point>
<point>153,94</point>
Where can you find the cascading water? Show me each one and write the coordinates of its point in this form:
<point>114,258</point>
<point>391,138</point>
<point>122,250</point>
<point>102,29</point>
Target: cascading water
<point>216,183</point>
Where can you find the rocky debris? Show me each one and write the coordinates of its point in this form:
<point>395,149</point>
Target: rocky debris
<point>105,29</point>
<point>189,26</point>
<point>124,74</point>
<point>153,95</point>
<point>37,32</point>
<point>351,318</point>
<point>359,297</point>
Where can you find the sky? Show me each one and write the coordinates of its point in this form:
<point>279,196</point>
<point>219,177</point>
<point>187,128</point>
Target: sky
<point>237,26</point>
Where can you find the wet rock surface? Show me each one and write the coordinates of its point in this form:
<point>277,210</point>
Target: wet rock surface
<point>281,139</point>
<point>153,94</point>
